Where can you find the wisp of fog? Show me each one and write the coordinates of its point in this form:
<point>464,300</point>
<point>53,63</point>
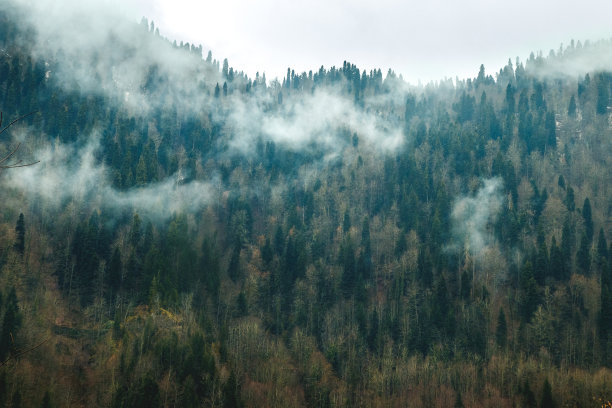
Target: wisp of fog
<point>472,217</point>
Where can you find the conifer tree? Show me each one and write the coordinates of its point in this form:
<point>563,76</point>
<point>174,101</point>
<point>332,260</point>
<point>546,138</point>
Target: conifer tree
<point>10,324</point>
<point>231,392</point>
<point>602,247</point>
<point>233,269</point>
<point>603,94</point>
<point>605,311</point>
<point>529,297</point>
<point>20,235</point>
<point>529,399</point>
<point>466,285</point>
<point>209,267</point>
<point>541,260</point>
<point>510,101</point>
<point>556,266</point>
<point>346,223</point>
<point>46,401</point>
<point>114,271</point>
<point>501,331</point>
<point>588,219</point>
<point>569,199</point>
<point>571,109</point>
<point>547,397</point>
<point>347,259</point>
<point>267,253</point>
<point>583,256</point>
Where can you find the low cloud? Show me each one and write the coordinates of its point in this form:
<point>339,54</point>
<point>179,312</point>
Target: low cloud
<point>72,173</point>
<point>94,47</point>
<point>472,217</point>
<point>573,61</point>
<point>322,120</point>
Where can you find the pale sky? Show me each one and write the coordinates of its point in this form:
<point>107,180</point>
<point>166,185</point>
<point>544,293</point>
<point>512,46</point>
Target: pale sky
<point>426,40</point>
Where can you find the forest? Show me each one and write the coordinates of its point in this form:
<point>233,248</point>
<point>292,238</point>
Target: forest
<point>189,236</point>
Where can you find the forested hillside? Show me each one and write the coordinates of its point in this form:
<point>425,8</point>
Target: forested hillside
<point>195,237</point>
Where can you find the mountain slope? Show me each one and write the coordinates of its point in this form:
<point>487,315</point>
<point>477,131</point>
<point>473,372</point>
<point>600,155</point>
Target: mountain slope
<point>195,237</point>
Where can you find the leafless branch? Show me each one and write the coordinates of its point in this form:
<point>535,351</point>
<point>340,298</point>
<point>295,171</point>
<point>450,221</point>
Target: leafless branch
<point>15,121</point>
<point>21,353</point>
<point>16,149</point>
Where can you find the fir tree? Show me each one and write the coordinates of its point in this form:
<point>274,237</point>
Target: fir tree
<point>547,397</point>
<point>583,256</point>
<point>20,235</point>
<point>571,109</point>
<point>501,331</point>
<point>46,401</point>
<point>10,324</point>
<point>588,218</point>
<point>233,269</point>
<point>529,297</point>
<point>231,392</point>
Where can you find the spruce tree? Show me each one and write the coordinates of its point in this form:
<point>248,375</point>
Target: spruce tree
<point>114,273</point>
<point>605,311</point>
<point>561,182</point>
<point>529,297</point>
<point>10,324</point>
<point>551,130</point>
<point>501,331</point>
<point>588,219</point>
<point>466,285</point>
<point>16,400</point>
<point>346,222</point>
<point>541,260</point>
<point>233,269</point>
<point>555,267</point>
<point>583,256</point>
<point>349,270</point>
<point>458,401</point>
<point>267,254</point>
<point>571,109</point>
<point>529,399</point>
<point>46,401</point>
<point>231,392</point>
<point>603,94</point>
<point>602,245</point>
<point>547,398</point>
<point>20,235</point>
<point>568,240</point>
<point>570,199</point>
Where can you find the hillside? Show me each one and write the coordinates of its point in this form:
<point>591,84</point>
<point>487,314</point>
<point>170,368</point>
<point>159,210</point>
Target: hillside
<point>195,237</point>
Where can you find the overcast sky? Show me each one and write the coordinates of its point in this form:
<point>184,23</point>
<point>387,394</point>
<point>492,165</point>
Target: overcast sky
<point>426,40</point>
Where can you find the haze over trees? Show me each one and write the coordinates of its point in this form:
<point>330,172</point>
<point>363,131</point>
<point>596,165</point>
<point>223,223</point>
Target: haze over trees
<point>195,237</point>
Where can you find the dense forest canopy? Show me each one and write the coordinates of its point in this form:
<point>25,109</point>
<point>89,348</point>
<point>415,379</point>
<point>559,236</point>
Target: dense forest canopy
<point>339,237</point>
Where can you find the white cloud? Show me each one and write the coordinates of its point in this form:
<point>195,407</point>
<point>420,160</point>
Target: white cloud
<point>472,217</point>
<point>71,173</point>
<point>322,120</point>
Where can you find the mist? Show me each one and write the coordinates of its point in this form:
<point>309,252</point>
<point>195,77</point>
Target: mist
<point>71,173</point>
<point>472,217</point>
<point>100,51</point>
<point>322,120</point>
<point>141,73</point>
<point>116,58</point>
<point>112,56</point>
<point>573,61</point>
